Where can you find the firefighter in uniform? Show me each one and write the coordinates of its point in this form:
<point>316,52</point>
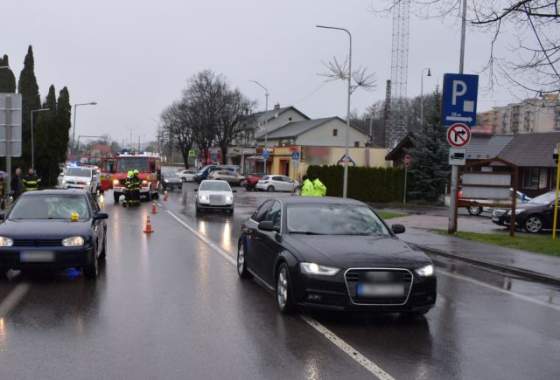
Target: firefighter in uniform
<point>133,188</point>
<point>31,181</point>
<point>307,189</point>
<point>319,188</point>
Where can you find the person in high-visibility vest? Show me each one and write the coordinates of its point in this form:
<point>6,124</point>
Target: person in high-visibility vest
<point>307,189</point>
<point>132,184</point>
<point>31,181</point>
<point>319,188</point>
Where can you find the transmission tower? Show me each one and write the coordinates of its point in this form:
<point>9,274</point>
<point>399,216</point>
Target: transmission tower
<point>399,72</point>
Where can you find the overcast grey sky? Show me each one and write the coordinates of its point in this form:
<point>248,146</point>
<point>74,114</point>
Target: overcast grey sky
<point>133,56</point>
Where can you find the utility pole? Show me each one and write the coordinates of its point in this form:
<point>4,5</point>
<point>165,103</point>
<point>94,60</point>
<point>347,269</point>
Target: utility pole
<point>266,95</point>
<point>452,227</point>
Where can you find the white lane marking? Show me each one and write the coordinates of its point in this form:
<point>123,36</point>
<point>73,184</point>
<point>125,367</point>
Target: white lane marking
<point>223,253</point>
<point>13,299</point>
<point>370,366</point>
<point>516,295</point>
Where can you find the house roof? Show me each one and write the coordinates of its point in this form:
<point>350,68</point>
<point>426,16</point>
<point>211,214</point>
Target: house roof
<point>482,147</point>
<point>531,149</point>
<point>297,128</point>
<point>253,120</point>
<point>406,143</point>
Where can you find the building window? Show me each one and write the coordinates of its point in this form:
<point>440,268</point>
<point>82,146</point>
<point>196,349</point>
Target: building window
<point>535,178</point>
<point>335,132</point>
<point>356,144</point>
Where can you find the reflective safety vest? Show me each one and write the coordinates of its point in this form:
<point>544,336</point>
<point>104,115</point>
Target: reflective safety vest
<point>307,189</point>
<point>133,183</point>
<point>31,182</point>
<point>320,190</point>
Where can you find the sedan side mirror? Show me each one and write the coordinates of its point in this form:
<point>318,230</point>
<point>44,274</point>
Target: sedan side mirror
<point>267,225</point>
<point>100,216</point>
<point>398,228</point>
<point>2,217</point>
<point>195,190</point>
<point>234,191</point>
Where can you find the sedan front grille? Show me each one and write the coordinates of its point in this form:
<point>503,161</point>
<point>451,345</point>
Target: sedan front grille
<point>217,200</point>
<point>37,242</point>
<point>397,278</point>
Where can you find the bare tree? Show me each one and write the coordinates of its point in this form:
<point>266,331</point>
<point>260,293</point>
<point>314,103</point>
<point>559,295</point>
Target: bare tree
<point>532,63</point>
<point>177,128</point>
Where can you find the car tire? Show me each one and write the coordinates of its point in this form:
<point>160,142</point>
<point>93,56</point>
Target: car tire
<point>533,224</point>
<point>103,254</point>
<point>116,198</point>
<point>475,210</point>
<point>242,263</point>
<point>197,211</point>
<point>284,299</point>
<point>270,189</point>
<point>91,271</point>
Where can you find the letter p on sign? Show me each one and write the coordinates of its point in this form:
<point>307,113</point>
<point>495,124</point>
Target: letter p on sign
<point>459,89</point>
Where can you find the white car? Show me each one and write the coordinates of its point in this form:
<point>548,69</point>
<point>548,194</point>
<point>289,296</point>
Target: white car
<point>186,175</point>
<point>83,178</point>
<point>277,183</point>
<point>214,195</point>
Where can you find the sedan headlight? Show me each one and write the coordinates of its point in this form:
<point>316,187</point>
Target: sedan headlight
<point>116,182</point>
<point>204,198</point>
<point>229,198</point>
<point>6,241</point>
<point>519,211</point>
<point>316,269</point>
<point>144,182</point>
<point>425,271</point>
<point>73,241</point>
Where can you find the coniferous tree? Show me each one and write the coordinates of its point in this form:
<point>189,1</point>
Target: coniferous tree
<point>63,124</point>
<point>7,78</point>
<point>430,169</point>
<point>29,90</point>
<point>47,141</point>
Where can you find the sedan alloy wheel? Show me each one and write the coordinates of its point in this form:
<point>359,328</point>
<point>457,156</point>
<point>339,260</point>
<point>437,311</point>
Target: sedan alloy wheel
<point>242,263</point>
<point>283,290</point>
<point>534,224</point>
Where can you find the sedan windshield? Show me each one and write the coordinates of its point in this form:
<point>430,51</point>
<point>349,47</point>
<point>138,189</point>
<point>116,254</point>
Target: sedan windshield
<point>543,199</point>
<point>50,207</point>
<point>334,219</point>
<point>214,186</point>
<point>78,172</point>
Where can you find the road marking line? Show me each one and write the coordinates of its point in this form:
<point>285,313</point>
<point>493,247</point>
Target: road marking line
<point>331,337</point>
<point>13,299</point>
<point>223,253</point>
<point>480,283</point>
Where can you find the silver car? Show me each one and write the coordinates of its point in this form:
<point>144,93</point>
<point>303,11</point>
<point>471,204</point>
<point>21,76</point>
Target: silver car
<point>277,183</point>
<point>231,177</point>
<point>214,195</point>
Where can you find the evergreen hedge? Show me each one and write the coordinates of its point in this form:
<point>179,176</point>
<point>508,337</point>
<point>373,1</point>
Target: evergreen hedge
<point>364,184</point>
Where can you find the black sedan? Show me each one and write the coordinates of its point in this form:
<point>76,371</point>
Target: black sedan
<point>335,254</point>
<point>54,229</point>
<point>534,217</point>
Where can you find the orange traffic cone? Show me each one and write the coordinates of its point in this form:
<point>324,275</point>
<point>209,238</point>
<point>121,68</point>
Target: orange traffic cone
<point>154,208</point>
<point>148,229</point>
<point>165,195</point>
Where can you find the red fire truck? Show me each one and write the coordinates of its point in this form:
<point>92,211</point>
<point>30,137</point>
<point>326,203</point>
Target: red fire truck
<point>114,171</point>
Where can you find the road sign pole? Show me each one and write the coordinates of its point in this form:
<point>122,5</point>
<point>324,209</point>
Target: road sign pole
<point>555,220</point>
<point>8,136</point>
<point>405,180</point>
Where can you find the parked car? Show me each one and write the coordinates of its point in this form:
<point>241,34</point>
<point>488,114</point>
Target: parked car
<point>187,175</point>
<point>334,254</point>
<point>83,178</point>
<point>205,171</point>
<point>477,208</point>
<point>54,229</point>
<point>534,216</point>
<point>231,177</point>
<point>214,195</point>
<point>251,181</point>
<point>277,183</point>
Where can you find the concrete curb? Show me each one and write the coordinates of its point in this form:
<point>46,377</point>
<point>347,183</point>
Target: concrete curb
<point>532,275</point>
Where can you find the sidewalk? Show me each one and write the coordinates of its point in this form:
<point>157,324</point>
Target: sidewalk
<point>507,258</point>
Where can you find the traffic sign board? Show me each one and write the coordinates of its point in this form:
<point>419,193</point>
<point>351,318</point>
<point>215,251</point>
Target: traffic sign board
<point>295,156</point>
<point>10,125</point>
<point>459,99</point>
<point>458,135</point>
<point>265,154</point>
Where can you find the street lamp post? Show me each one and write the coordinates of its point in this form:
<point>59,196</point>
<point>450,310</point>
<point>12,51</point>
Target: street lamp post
<point>74,124</point>
<point>33,133</point>
<point>347,137</point>
<point>266,95</point>
<point>428,74</point>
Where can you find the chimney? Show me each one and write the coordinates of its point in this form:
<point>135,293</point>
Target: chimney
<point>277,106</point>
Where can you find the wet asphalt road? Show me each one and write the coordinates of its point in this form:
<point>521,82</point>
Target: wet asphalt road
<point>170,306</point>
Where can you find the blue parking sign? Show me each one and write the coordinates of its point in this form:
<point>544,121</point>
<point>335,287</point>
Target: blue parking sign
<point>460,93</point>
<point>265,154</point>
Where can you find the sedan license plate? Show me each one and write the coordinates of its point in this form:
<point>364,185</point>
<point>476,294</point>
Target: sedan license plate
<point>380,290</point>
<point>36,257</point>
